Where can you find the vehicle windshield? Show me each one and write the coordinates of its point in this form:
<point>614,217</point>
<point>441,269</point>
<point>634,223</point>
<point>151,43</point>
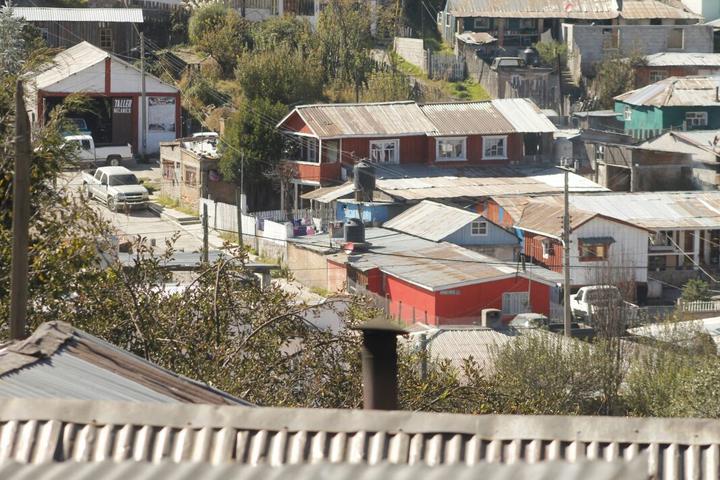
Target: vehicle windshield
<point>128,179</point>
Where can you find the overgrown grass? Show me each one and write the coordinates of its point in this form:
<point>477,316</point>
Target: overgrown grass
<point>167,202</point>
<point>320,291</point>
<point>467,90</point>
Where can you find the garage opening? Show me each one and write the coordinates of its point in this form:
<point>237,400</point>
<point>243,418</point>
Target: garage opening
<point>108,120</point>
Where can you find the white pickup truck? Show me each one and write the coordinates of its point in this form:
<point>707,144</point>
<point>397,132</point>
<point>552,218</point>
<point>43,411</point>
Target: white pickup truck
<point>594,299</point>
<point>89,153</point>
<point>117,187</point>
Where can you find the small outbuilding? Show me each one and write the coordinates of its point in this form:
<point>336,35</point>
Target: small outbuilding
<point>114,89</point>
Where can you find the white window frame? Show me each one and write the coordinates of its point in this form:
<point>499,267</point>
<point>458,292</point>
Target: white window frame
<point>495,138</point>
<point>627,113</point>
<point>657,75</point>
<point>484,23</point>
<point>461,158</point>
<point>547,247</point>
<point>384,143</point>
<point>479,228</point>
<point>696,119</point>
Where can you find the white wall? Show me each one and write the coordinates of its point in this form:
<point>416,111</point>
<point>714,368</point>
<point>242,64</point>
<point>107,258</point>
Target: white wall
<point>628,256</point>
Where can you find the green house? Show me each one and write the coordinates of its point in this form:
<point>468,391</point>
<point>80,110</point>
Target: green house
<point>675,103</point>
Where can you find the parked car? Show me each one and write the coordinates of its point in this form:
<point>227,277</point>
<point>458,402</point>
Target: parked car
<point>529,320</point>
<point>111,155</point>
<point>117,187</point>
<point>590,300</point>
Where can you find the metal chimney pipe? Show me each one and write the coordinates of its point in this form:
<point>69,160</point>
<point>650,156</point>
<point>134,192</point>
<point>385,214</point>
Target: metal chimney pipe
<point>379,364</point>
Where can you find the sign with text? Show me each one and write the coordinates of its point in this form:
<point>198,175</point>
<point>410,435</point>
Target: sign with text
<point>122,105</point>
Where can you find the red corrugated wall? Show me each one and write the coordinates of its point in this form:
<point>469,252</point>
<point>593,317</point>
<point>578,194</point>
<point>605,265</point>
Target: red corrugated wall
<point>410,302</point>
<point>534,249</point>
<point>412,149</point>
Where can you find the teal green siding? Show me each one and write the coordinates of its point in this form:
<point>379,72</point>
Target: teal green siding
<point>646,122</point>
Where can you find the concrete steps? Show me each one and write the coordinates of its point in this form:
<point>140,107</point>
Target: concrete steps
<point>173,215</point>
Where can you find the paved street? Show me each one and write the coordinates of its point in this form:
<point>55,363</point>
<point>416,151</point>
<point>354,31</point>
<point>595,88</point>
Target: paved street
<point>146,223</point>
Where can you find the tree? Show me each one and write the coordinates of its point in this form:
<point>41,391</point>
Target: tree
<point>345,40</point>
<point>280,74</point>
<point>615,75</point>
<point>293,32</point>
<point>696,290</point>
<point>221,32</point>
<point>251,134</point>
<point>550,51</point>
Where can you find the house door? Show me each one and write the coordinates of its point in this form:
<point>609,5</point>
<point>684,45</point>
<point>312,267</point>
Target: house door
<point>515,302</point>
<point>122,126</point>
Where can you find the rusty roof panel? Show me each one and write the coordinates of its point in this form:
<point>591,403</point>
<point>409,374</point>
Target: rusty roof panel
<point>41,431</point>
<point>461,118</point>
<point>365,119</point>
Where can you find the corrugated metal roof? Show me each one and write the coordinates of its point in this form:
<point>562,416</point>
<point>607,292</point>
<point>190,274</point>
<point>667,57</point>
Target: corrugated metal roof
<point>69,62</point>
<point>58,361</point>
<point>683,59</point>
<point>650,210</point>
<point>420,182</point>
<point>429,265</point>
<point>410,182</point>
<point>547,218</point>
<point>578,9</point>
<point>644,9</point>
<point>431,220</point>
<point>693,142</point>
<point>696,91</point>
<point>466,118</point>
<point>524,115</point>
<point>584,470</point>
<point>35,431</point>
<point>407,118</point>
<point>110,15</point>
<point>365,119</point>
<point>657,211</point>
<point>75,60</point>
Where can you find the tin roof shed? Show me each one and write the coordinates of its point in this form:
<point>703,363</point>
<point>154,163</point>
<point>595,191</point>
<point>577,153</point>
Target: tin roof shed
<point>59,361</point>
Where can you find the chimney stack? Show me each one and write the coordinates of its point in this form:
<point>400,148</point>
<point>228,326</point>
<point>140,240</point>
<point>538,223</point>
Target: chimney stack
<point>379,364</point>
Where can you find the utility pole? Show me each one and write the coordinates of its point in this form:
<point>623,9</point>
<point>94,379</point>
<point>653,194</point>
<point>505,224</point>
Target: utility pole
<point>20,219</point>
<point>566,257</point>
<point>143,100</point>
<point>205,250</point>
<point>238,199</point>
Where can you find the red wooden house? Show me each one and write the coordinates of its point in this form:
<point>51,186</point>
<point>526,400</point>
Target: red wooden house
<point>324,141</point>
<point>420,281</point>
